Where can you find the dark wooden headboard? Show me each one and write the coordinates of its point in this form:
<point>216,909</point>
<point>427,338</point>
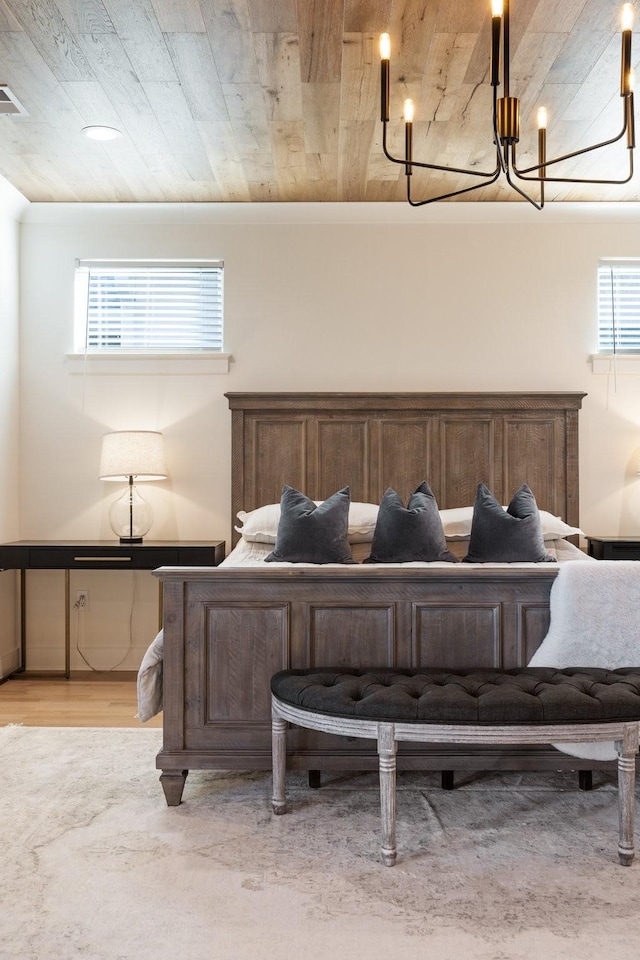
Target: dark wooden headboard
<point>320,442</point>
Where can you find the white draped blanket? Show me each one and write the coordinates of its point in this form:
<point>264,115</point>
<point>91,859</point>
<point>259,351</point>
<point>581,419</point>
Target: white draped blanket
<point>595,622</point>
<point>150,680</point>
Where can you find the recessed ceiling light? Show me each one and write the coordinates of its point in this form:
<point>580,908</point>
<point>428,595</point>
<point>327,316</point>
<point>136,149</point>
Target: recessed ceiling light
<point>101,133</point>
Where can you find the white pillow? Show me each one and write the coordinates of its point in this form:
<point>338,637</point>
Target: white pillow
<point>261,525</point>
<point>362,521</point>
<point>457,525</point>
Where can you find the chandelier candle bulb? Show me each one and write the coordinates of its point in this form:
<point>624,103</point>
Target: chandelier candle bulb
<point>496,23</point>
<point>385,54</point>
<point>625,60</point>
<point>408,135</point>
<point>542,148</point>
<point>631,122</point>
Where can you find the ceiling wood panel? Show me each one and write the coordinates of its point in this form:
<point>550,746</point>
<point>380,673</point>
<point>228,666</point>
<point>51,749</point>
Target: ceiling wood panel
<point>320,29</point>
<point>278,100</point>
<point>84,16</point>
<point>142,39</point>
<point>8,22</point>
<point>52,38</point>
<point>278,57</point>
<point>183,17</point>
<point>226,163</point>
<point>231,38</point>
<point>269,17</point>
<point>196,70</point>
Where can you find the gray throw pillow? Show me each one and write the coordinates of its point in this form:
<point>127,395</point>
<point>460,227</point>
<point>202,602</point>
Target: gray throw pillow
<point>409,533</point>
<point>513,535</point>
<point>308,533</point>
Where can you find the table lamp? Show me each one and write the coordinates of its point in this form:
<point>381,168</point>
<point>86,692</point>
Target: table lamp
<point>132,455</point>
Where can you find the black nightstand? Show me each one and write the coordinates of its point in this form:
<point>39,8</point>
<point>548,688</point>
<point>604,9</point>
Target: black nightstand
<point>614,548</point>
<point>69,555</point>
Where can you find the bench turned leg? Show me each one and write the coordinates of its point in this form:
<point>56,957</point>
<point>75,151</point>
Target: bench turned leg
<point>315,779</point>
<point>447,779</point>
<point>387,748</point>
<point>585,779</point>
<point>626,792</point>
<point>279,762</point>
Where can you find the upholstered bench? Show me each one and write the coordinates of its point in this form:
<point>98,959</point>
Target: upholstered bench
<point>530,705</point>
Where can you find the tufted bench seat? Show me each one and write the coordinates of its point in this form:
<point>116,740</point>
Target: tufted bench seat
<point>533,705</point>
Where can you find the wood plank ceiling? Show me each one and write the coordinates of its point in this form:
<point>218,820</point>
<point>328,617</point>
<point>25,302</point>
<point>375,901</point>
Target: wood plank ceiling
<point>278,100</point>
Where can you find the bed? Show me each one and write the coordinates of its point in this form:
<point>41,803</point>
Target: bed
<point>228,629</point>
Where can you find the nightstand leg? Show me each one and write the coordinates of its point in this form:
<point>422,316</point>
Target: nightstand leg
<point>67,627</point>
<point>23,621</point>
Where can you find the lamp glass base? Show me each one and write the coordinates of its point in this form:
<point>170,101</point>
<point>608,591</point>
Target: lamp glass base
<point>130,516</point>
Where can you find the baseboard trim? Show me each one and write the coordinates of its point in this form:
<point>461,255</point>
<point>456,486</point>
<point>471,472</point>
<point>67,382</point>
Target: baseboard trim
<point>103,676</point>
<point>9,663</point>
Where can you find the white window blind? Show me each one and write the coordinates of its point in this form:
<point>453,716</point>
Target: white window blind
<point>147,307</point>
<point>619,307</point>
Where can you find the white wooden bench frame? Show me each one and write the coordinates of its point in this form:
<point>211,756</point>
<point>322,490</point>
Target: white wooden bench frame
<point>625,734</point>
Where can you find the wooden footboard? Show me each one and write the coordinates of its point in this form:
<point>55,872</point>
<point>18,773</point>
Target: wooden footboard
<point>227,630</point>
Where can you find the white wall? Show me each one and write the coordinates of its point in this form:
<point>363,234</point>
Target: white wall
<point>11,205</point>
<point>317,297</point>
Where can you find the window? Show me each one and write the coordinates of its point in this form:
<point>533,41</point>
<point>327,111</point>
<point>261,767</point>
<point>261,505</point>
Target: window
<point>149,307</point>
<point>619,306</point>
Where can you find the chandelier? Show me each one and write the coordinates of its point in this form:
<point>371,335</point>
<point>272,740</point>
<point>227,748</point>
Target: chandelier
<point>506,121</point>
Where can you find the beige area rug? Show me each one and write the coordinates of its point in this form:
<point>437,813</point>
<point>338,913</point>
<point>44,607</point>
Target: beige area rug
<point>95,865</point>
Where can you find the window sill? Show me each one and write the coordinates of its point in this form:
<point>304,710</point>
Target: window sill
<point>619,363</point>
<point>176,364</point>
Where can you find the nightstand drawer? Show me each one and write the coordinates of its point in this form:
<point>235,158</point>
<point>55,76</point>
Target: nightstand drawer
<point>614,548</point>
<point>116,558</point>
<point>109,554</point>
<point>198,555</point>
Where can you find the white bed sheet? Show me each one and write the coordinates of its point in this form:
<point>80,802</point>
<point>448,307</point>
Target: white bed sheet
<point>252,554</point>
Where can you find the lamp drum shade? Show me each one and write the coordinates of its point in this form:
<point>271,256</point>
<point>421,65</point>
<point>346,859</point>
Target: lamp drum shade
<point>132,453</point>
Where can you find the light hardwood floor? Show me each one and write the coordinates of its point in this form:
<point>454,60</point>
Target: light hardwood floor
<point>51,702</point>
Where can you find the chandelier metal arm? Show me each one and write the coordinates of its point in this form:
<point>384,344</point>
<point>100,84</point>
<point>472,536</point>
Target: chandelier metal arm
<point>499,168</point>
<point>431,166</point>
<point>543,180</point>
<point>454,193</point>
<point>570,156</point>
<point>522,193</point>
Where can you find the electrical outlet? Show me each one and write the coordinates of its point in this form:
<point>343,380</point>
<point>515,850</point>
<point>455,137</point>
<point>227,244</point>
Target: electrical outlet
<point>82,600</point>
